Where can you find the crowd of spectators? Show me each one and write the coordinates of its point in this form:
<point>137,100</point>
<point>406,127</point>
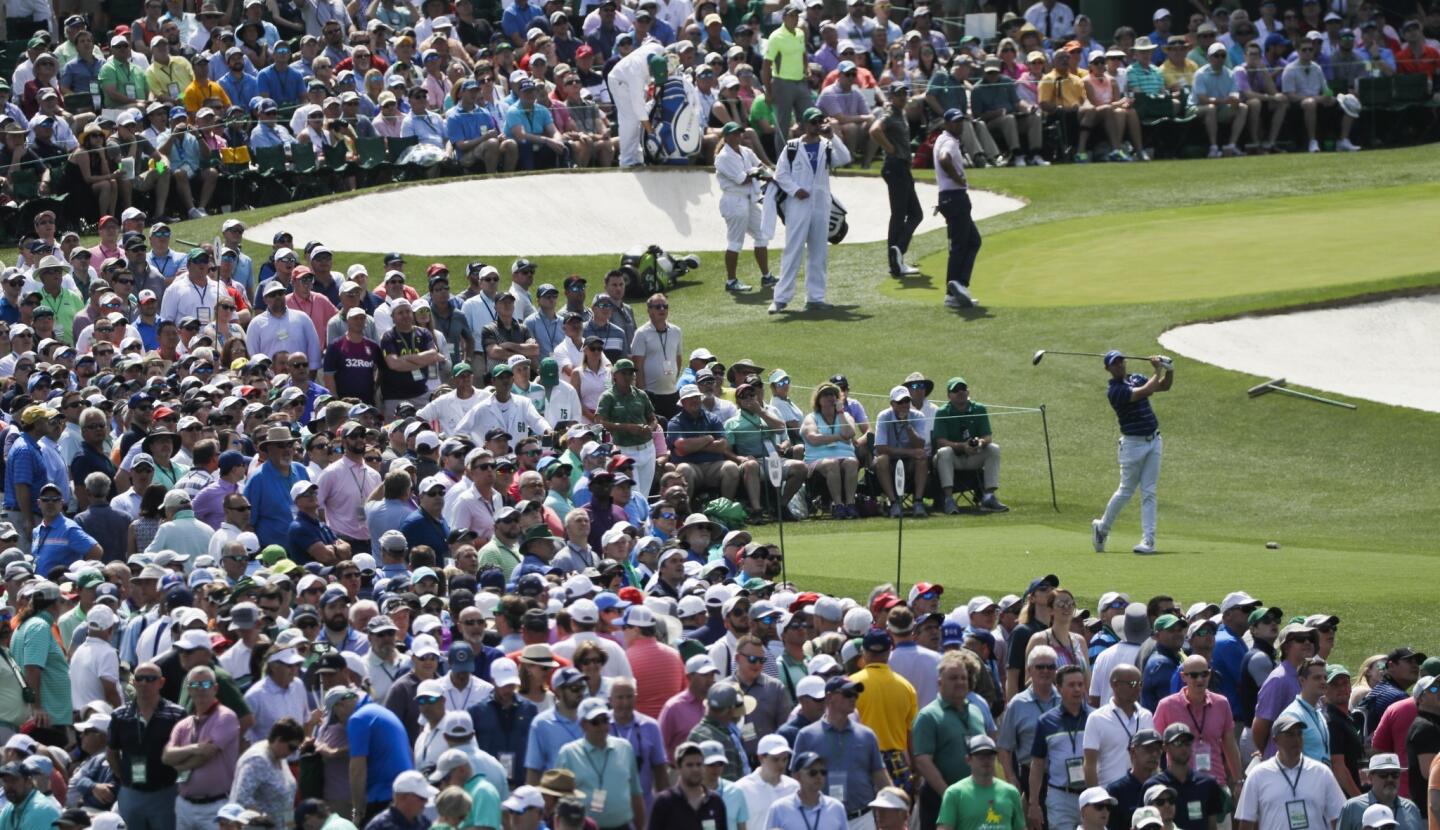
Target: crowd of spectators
<point>113,112</point>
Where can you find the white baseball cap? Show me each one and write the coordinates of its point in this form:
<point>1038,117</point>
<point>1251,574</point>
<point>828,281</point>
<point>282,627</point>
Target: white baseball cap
<point>1378,815</point>
<point>773,744</point>
<point>1096,795</point>
<point>409,782</point>
<point>584,611</point>
<point>504,672</point>
<point>811,686</point>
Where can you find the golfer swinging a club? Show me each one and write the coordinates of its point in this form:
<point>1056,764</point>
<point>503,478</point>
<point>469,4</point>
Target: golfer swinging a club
<point>1139,445</point>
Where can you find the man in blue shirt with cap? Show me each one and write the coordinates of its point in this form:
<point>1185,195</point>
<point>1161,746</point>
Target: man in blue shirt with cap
<point>1140,445</point>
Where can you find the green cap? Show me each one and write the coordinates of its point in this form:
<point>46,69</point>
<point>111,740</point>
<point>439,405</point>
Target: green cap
<point>1334,670</point>
<point>461,368</point>
<point>549,371</point>
<point>1261,613</point>
<point>624,364</point>
<point>89,579</point>
<point>731,128</point>
<point>197,255</point>
<point>501,369</point>
<point>272,554</point>
<point>812,114</point>
<point>1167,622</point>
<point>537,533</point>
<point>37,40</point>
<point>954,382</point>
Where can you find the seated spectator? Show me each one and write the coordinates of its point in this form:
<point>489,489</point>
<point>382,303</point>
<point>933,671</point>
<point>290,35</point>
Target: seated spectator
<point>267,131</point>
<point>93,186</point>
<point>1216,96</point>
<point>1303,82</point>
<point>188,155</point>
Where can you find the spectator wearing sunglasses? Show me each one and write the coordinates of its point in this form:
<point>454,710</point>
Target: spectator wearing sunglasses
<point>1216,753</point>
<point>205,748</point>
<point>139,733</point>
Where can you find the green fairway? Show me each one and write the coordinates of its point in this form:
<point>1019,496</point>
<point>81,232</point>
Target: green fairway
<point>1351,496</point>
<point>1212,251</point>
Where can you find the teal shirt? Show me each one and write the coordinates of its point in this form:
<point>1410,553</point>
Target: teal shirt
<point>36,812</point>
<point>484,803</point>
<point>737,811</point>
<point>34,645</point>
<point>747,433</point>
<point>611,769</point>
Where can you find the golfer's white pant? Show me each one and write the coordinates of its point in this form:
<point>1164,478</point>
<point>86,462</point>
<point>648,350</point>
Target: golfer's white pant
<point>806,233</point>
<point>644,467</point>
<point>742,217</point>
<point>1139,465</point>
<point>632,149</point>
<point>190,816</point>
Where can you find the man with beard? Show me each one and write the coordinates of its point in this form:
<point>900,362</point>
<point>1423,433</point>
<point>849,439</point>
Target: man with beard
<point>335,615</point>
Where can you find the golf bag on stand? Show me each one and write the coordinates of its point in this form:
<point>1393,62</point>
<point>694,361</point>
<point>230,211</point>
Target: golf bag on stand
<point>678,125</point>
<point>650,270</point>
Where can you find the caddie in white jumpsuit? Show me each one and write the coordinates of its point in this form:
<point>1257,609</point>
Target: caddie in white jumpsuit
<point>803,174</point>
<point>628,82</point>
<point>1139,445</point>
<point>735,167</point>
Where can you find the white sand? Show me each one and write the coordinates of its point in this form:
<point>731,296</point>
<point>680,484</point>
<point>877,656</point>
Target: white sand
<point>1386,351</point>
<point>606,212</point>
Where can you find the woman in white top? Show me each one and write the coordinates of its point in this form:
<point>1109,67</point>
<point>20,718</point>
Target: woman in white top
<point>1069,646</point>
<point>591,377</point>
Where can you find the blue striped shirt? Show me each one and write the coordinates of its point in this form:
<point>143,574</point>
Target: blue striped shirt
<point>1060,741</point>
<point>1136,417</point>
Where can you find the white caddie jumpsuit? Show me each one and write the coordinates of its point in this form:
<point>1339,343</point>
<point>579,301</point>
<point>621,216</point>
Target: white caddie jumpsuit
<point>628,82</point>
<point>739,199</point>
<point>806,220</point>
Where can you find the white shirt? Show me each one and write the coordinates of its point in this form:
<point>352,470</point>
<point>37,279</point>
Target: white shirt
<point>446,411</point>
<point>1105,662</point>
<point>920,666</point>
<point>1108,731</point>
<point>1272,792</point>
<point>1057,23</point>
<point>660,352</point>
<point>383,674</point>
<point>760,795</point>
<point>516,416</point>
<point>236,660</point>
<point>616,664</point>
<point>731,168</point>
<point>459,699</point>
<point>562,403</point>
<point>93,660</point>
<point>269,703</point>
<point>948,146</point>
<point>480,311</point>
<point>524,306</point>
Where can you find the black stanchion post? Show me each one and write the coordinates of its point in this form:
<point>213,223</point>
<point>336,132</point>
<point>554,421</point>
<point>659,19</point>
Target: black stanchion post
<point>1045,425</point>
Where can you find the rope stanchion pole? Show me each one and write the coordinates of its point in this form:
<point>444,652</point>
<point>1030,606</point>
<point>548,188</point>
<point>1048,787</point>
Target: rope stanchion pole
<point>775,469</point>
<point>1049,462</point>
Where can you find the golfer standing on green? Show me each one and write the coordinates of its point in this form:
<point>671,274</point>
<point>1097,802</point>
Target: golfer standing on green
<point>1139,445</point>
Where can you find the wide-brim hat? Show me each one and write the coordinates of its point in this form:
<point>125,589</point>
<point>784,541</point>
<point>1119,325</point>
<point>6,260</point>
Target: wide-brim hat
<point>917,377</point>
<point>277,435</point>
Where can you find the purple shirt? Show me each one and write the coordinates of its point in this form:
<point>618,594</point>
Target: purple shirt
<point>353,365</point>
<point>209,504</point>
<point>643,733</point>
<point>1281,687</point>
<point>215,776</point>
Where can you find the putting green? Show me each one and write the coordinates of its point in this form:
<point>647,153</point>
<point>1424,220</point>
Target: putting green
<point>1204,252</point>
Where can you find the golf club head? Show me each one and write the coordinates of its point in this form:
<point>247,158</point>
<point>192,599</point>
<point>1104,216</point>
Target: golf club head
<point>1039,355</point>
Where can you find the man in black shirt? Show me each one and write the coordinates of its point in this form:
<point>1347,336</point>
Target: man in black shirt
<point>687,805</point>
<point>1197,797</point>
<point>1422,742</point>
<point>1129,791</point>
<point>138,734</point>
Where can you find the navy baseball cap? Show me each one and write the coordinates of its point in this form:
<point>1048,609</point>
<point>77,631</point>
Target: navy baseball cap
<point>954,114</point>
<point>461,657</point>
<point>841,683</point>
<point>952,634</point>
<point>1112,356</point>
<point>878,640</point>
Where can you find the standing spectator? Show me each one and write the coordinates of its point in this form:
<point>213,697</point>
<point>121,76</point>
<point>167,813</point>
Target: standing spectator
<point>768,783</point>
<point>268,490</point>
<point>1422,742</point>
<point>690,805</point>
<point>204,747</point>
<point>1384,773</point>
<point>1216,752</point>
<point>1109,729</point>
<point>379,749</point>
<point>659,674</point>
<point>942,742</point>
<point>278,696</point>
<point>682,711</point>
<point>772,707</point>
<point>1057,765</point>
<point>47,673</point>
<point>94,665</point>
<point>812,770</point>
<point>139,732</point>
<point>1279,794</point>
<point>970,803</point>
<point>605,768</point>
<point>263,781</point>
<point>847,748</point>
<point>889,706</point>
<point>656,350</point>
<point>1197,798</point>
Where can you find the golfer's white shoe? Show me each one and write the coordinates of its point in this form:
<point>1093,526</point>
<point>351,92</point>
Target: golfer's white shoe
<point>1145,546</point>
<point>1097,536</point>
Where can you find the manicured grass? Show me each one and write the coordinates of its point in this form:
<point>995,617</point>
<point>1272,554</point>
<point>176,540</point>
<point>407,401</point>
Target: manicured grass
<point>1213,250</point>
<point>1350,496</point>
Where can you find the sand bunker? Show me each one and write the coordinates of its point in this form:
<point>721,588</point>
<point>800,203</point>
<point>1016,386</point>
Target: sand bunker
<point>1386,351</point>
<point>607,212</point>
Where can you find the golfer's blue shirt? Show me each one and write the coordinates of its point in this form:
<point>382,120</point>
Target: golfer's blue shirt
<point>1136,417</point>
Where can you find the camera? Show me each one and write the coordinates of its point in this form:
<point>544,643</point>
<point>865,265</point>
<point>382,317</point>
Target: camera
<point>974,443</point>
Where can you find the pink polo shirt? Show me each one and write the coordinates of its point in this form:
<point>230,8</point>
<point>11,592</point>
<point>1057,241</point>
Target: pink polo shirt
<point>1390,735</point>
<point>318,308</point>
<point>215,776</point>
<point>343,486</point>
<point>1210,723</point>
<point>678,717</point>
<point>659,675</point>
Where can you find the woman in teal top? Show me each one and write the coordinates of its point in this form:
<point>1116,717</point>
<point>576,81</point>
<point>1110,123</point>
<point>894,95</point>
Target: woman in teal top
<point>829,435</point>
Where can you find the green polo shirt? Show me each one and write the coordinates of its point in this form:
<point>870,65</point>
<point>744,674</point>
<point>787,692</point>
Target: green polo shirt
<point>631,408</point>
<point>127,78</point>
<point>34,645</point>
<point>484,803</point>
<point>611,770</point>
<point>66,304</point>
<point>786,52</point>
<point>968,806</point>
<point>954,424</point>
<point>497,554</point>
<point>746,433</point>
<point>944,732</point>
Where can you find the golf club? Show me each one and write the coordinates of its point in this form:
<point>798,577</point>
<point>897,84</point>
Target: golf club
<point>1278,385</point>
<point>1040,355</point>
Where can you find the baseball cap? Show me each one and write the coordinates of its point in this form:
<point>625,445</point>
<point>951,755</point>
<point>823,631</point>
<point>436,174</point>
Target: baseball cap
<point>1096,795</point>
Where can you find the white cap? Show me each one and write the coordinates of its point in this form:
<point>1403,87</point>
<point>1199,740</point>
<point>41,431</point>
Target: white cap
<point>772,744</point>
<point>1159,13</point>
<point>424,645</point>
<point>857,622</point>
<point>285,656</point>
<point>409,782</point>
<point>107,821</point>
<point>689,606</point>
<point>584,611</point>
<point>100,618</point>
<point>1216,48</point>
<point>193,639</point>
<point>1378,815</point>
<point>701,664</point>
<point>430,688</point>
<point>580,585</point>
<point>1236,599</point>
<point>457,724</point>
<point>811,686</point>
<point>1096,795</point>
<point>504,672</point>
<point>890,798</point>
<point>301,488</point>
<point>524,798</point>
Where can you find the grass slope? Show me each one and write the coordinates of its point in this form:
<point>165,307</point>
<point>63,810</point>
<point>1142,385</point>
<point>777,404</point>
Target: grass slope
<point>1350,495</point>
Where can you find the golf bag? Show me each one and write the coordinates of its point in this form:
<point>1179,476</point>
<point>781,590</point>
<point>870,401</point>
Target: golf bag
<point>678,122</point>
<point>837,226</point>
<point>650,270</point>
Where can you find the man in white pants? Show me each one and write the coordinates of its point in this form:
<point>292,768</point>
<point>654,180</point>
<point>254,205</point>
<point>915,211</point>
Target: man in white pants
<point>803,175</point>
<point>628,82</point>
<point>1139,445</point>
<point>736,166</point>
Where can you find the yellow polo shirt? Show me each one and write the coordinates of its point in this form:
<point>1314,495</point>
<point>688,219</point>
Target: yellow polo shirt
<point>1068,91</point>
<point>786,52</point>
<point>169,81</point>
<point>888,705</point>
